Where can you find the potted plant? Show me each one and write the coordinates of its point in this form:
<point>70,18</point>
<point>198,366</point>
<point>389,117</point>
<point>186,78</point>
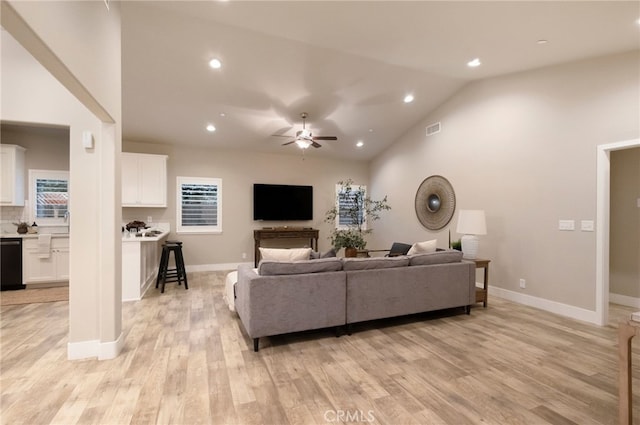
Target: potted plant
<point>351,240</point>
<point>22,227</point>
<point>355,209</point>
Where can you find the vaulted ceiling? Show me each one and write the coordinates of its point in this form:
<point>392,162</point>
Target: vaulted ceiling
<point>348,64</point>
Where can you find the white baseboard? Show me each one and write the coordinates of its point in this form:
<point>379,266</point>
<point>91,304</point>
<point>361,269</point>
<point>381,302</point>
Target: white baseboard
<point>110,350</point>
<point>213,267</point>
<point>624,300</point>
<point>546,305</point>
<point>94,348</point>
<point>82,350</point>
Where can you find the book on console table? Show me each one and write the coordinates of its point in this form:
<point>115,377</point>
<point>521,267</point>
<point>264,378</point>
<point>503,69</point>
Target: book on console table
<point>635,316</point>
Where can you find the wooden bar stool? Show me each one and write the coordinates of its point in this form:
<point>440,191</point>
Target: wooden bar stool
<point>175,274</point>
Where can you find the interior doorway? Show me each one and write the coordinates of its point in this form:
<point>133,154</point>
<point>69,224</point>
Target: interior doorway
<point>603,205</point>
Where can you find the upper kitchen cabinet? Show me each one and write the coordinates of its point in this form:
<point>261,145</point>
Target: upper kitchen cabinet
<point>144,180</point>
<point>12,175</point>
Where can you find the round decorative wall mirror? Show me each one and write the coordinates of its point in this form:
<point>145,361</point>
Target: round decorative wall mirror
<point>435,202</point>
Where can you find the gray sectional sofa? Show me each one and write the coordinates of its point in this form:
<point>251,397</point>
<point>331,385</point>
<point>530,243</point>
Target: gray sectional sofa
<point>285,297</point>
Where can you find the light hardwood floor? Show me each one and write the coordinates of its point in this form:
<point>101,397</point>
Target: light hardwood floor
<point>187,361</point>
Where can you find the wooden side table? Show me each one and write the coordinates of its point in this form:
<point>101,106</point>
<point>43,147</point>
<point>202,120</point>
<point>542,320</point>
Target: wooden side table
<point>482,294</point>
<point>626,331</point>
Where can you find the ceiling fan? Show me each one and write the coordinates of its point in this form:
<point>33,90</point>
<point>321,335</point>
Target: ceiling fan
<point>304,138</point>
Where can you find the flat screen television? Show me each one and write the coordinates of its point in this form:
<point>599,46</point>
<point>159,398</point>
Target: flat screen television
<point>280,202</point>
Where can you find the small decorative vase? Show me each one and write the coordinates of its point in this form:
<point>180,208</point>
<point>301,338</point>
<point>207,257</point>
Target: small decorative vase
<point>22,229</point>
<point>351,252</point>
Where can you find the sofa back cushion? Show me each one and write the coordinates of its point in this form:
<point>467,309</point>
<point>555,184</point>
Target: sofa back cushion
<point>374,263</point>
<point>291,254</point>
<point>438,257</point>
<point>275,268</point>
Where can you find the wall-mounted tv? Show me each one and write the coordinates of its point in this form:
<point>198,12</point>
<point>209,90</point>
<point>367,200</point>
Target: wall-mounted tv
<point>280,202</point>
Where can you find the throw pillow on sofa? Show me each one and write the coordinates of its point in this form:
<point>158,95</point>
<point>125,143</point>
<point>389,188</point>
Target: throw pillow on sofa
<point>423,247</point>
<point>328,254</point>
<point>291,254</point>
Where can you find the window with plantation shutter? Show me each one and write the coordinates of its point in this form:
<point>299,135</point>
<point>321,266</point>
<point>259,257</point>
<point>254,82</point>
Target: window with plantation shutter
<point>49,196</point>
<point>346,202</point>
<point>199,205</point>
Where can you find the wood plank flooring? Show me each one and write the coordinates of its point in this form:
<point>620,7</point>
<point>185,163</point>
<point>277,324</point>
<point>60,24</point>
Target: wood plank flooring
<point>187,360</point>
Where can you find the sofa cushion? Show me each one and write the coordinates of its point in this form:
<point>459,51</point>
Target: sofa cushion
<point>317,254</point>
<point>291,254</point>
<point>274,268</point>
<point>422,247</point>
<point>439,257</point>
<point>374,263</point>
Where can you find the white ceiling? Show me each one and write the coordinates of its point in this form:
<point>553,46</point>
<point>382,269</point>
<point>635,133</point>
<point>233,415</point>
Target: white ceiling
<point>348,64</point>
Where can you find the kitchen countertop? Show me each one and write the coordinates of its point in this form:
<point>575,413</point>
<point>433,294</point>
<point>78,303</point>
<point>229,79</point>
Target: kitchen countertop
<point>32,235</point>
<point>127,238</point>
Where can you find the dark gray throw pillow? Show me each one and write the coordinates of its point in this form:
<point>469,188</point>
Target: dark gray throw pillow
<point>317,255</point>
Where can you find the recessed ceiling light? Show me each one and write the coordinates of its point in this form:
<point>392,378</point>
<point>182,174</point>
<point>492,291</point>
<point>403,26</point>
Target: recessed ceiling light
<point>542,41</point>
<point>215,63</point>
<point>474,63</point>
<point>371,130</point>
<point>222,114</point>
<point>638,21</point>
<point>211,128</point>
<point>360,143</point>
<point>408,98</point>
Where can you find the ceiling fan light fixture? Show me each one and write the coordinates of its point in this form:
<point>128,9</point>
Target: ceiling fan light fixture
<point>303,143</point>
<point>408,98</point>
<point>304,134</point>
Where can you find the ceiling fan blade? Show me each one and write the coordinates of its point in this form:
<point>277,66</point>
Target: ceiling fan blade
<point>288,143</point>
<point>281,135</point>
<point>325,138</point>
<point>316,145</point>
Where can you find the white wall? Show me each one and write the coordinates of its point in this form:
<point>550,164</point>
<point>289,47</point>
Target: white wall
<point>239,171</point>
<point>80,43</point>
<point>523,148</point>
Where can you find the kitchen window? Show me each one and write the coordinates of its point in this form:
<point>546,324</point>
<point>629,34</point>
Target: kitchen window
<point>199,205</point>
<point>49,196</point>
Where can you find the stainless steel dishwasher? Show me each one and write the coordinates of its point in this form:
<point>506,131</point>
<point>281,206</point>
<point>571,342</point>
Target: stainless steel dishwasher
<point>11,264</point>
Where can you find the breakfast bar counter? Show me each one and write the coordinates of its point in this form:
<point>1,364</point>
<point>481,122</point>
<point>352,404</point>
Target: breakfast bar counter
<point>140,260</point>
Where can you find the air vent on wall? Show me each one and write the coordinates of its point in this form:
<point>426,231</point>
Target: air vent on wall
<point>433,129</point>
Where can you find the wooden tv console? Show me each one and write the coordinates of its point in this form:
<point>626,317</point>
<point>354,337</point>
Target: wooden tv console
<point>286,232</point>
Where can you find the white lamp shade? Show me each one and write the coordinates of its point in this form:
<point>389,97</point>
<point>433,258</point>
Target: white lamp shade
<point>472,222</point>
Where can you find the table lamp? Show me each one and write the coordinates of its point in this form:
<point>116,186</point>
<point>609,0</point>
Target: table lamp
<point>470,224</point>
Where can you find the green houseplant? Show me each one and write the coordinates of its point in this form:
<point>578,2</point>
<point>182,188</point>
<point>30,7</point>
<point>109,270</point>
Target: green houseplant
<point>354,209</point>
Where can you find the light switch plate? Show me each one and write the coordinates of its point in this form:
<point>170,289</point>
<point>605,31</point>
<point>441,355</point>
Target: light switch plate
<point>586,225</point>
<point>566,225</point>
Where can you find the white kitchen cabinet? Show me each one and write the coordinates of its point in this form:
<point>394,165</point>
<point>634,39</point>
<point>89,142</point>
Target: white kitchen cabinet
<point>54,268</point>
<point>144,180</point>
<point>12,175</point>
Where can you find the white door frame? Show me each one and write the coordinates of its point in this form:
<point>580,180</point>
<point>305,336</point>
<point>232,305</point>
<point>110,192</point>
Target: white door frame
<point>603,202</point>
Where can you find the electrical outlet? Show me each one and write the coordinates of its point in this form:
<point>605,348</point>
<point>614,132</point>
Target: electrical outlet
<point>567,225</point>
<point>244,255</point>
<point>586,225</point>
<point>523,283</point>
<point>149,219</point>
